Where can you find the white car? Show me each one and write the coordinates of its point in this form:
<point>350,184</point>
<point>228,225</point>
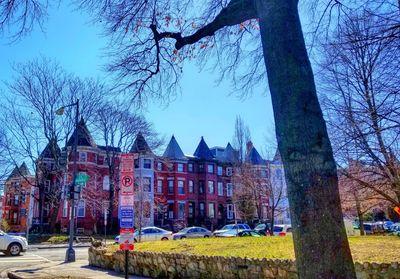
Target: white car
<point>150,234</point>
<point>12,245</point>
<point>282,230</point>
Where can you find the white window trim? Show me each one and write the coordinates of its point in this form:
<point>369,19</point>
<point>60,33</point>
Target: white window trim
<point>213,210</point>
<point>84,209</point>
<point>104,184</point>
<point>229,193</point>
<point>220,193</point>
<point>81,153</point>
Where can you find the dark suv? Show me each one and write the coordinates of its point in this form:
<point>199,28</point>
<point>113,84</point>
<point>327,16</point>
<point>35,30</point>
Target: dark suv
<point>263,229</point>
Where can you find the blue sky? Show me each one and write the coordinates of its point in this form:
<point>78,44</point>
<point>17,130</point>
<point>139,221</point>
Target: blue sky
<point>203,108</point>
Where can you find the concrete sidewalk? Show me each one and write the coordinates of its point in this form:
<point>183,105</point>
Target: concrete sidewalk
<point>75,270</point>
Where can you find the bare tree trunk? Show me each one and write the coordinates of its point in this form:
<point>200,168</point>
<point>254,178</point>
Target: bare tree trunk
<point>303,142</point>
<point>360,215</point>
<point>272,220</point>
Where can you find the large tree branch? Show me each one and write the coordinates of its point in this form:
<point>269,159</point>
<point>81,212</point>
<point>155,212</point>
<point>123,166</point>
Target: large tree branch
<point>236,12</point>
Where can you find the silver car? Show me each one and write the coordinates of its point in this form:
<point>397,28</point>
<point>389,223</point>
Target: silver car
<point>192,232</point>
<point>12,245</point>
<point>150,234</point>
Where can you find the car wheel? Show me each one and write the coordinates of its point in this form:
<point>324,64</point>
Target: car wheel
<point>14,249</point>
<point>206,236</point>
<point>183,237</point>
<point>164,238</point>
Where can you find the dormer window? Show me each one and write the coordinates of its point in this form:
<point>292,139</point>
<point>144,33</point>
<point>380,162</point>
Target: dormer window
<point>82,156</point>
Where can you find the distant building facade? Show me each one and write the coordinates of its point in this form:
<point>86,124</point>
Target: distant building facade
<point>173,190</point>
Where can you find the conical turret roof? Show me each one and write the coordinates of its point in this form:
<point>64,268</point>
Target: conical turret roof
<point>277,156</point>
<point>253,157</point>
<point>230,154</point>
<point>140,145</point>
<point>84,136</point>
<point>202,151</point>
<point>48,152</point>
<point>174,151</point>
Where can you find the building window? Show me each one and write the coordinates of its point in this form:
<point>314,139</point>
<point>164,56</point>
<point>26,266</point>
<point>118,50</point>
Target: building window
<point>219,170</point>
<point>229,171</point>
<point>81,208</point>
<point>210,168</point>
<point>82,156</point>
<point>201,168</point>
<point>229,211</point>
<point>190,186</point>
<point>180,167</point>
<point>181,187</point>
<point>201,187</point>
<point>47,186</point>
<point>229,189</point>
<point>136,163</point>
<point>106,183</point>
<point>146,184</point>
<point>181,210</point>
<point>16,200</point>
<point>170,186</point>
<point>159,166</point>
<point>65,209</point>
<point>211,210</point>
<point>211,187</point>
<point>147,163</point>
<point>171,210</point>
<point>201,209</point>
<point>220,189</point>
<point>159,186</point>
<point>190,167</point>
<point>191,210</point>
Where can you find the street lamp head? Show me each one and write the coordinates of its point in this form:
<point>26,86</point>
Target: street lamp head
<point>60,111</point>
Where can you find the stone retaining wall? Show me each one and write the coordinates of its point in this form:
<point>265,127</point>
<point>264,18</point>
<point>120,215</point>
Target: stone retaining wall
<point>169,265</point>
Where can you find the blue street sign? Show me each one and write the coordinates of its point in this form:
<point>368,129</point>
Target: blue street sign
<point>126,217</point>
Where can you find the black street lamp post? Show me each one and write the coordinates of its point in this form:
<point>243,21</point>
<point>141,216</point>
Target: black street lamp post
<point>70,254</point>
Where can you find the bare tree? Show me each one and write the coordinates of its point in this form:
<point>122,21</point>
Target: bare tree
<point>33,129</point>
<point>117,128</point>
<point>153,37</point>
<point>361,73</point>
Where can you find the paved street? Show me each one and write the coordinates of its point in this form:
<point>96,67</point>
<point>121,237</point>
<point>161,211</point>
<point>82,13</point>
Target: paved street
<point>37,256</point>
<point>50,261</point>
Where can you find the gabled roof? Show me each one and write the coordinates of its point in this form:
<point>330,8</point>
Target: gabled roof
<point>19,171</point>
<point>230,155</point>
<point>140,145</point>
<point>84,136</point>
<point>202,151</point>
<point>48,153</point>
<point>253,157</point>
<point>174,151</point>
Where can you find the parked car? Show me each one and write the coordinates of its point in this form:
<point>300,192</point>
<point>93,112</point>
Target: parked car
<point>263,229</point>
<point>373,228</point>
<point>12,245</point>
<point>282,230</point>
<point>192,232</point>
<point>231,228</point>
<point>247,233</point>
<point>150,234</point>
<point>395,227</point>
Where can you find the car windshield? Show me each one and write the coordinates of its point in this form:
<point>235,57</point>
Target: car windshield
<point>185,230</point>
<point>228,227</point>
<point>260,227</point>
<point>278,229</point>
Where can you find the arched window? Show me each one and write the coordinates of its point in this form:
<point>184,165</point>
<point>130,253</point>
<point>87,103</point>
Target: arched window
<point>106,183</point>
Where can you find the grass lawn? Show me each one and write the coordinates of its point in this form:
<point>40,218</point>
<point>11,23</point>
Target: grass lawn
<point>366,248</point>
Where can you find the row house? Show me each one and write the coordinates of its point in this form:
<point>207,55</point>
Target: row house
<point>172,190</point>
<point>18,207</point>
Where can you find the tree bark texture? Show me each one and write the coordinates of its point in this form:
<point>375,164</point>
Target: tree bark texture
<point>320,241</point>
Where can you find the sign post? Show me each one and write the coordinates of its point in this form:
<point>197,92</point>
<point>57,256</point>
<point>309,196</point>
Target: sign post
<point>125,207</point>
